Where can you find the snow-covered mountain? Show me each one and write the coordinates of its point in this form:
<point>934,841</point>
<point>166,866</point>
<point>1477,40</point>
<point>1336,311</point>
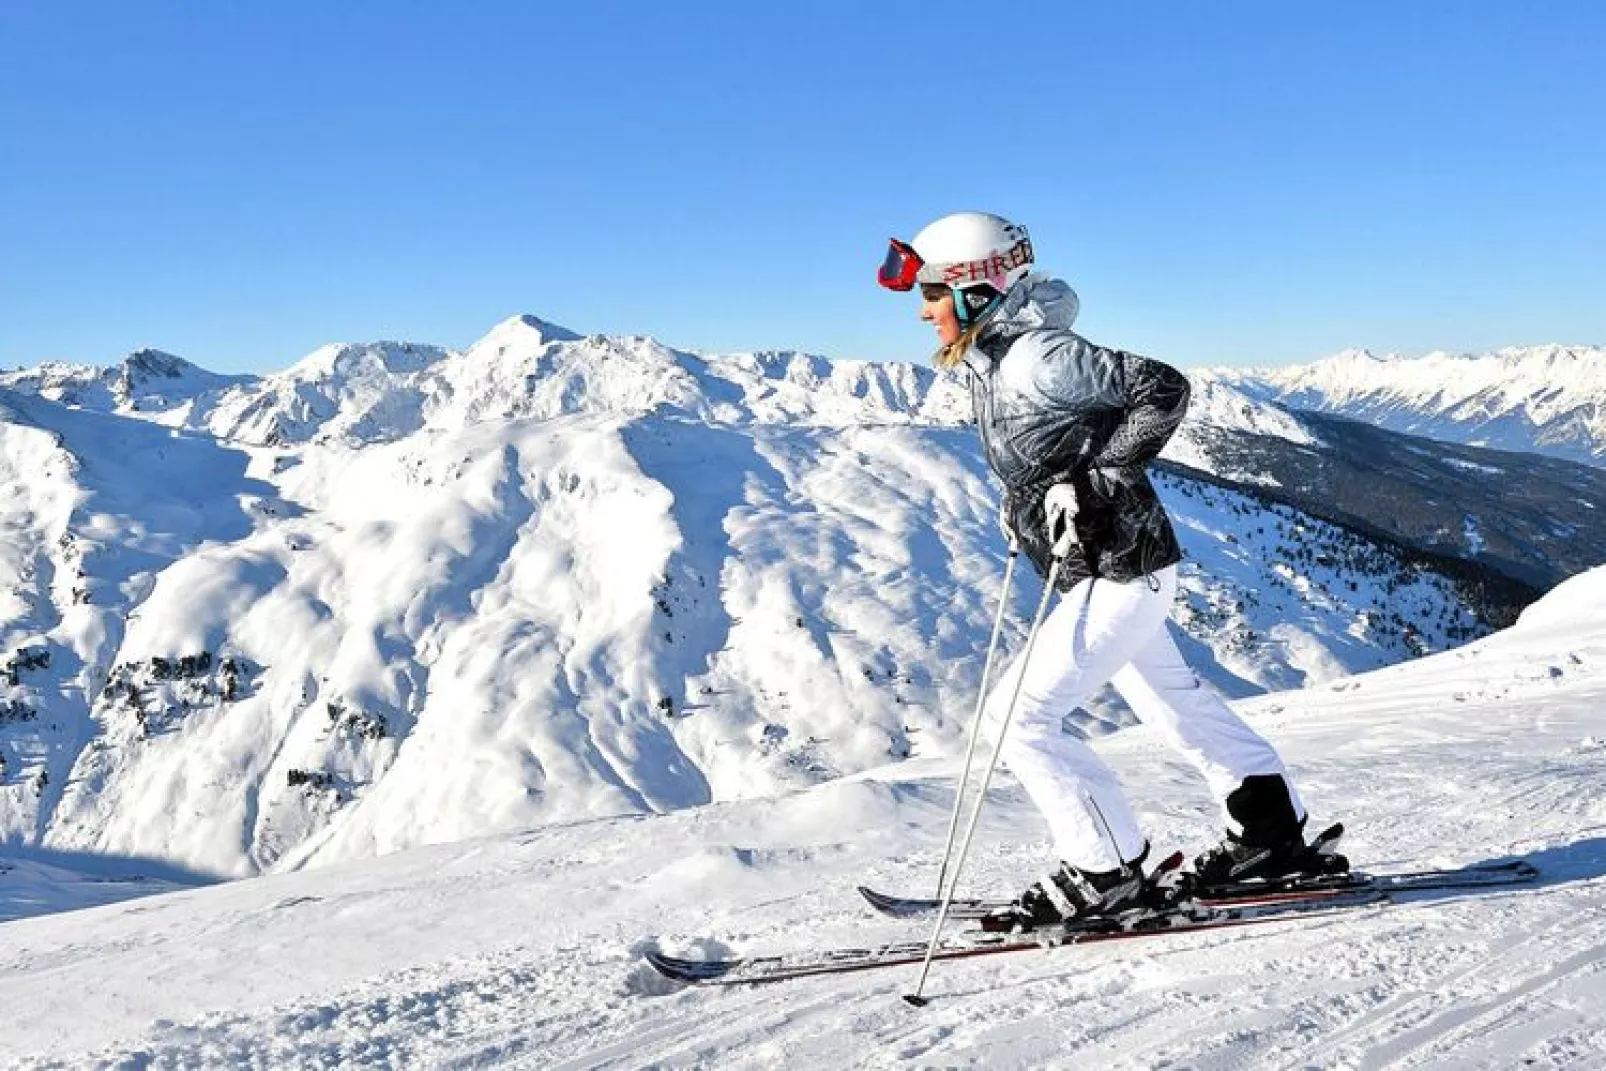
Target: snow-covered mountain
<point>399,595</point>
<point>1525,516</point>
<point>525,950</point>
<point>1549,399</point>
<point>525,368</point>
<point>147,381</point>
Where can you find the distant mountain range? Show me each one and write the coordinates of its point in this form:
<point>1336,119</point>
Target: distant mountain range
<point>398,593</point>
<point>1393,445</point>
<point>1542,399</point>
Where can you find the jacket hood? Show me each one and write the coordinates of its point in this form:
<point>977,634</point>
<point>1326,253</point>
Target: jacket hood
<point>1036,302</point>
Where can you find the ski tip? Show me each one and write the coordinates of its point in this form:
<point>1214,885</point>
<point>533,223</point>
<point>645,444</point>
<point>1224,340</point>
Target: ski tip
<point>882,903</point>
<point>916,1000</point>
<point>664,966</point>
<point>1171,862</point>
<point>689,971</point>
<point>668,966</point>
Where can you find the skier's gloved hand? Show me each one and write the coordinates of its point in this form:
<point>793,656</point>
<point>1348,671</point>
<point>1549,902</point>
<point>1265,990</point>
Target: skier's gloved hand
<point>1005,527</point>
<point>1059,504</point>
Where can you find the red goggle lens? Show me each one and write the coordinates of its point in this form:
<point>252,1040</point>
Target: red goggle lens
<point>902,265</point>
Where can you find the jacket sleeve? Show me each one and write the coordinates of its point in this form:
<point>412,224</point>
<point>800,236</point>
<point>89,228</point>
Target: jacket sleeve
<point>1154,403</point>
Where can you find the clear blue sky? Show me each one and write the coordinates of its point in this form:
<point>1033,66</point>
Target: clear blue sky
<point>239,182</point>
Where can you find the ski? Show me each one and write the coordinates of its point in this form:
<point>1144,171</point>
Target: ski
<point>1478,875</point>
<point>1167,874</point>
<point>973,943</point>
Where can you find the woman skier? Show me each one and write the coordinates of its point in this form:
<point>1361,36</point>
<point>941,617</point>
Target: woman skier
<point>1068,428</point>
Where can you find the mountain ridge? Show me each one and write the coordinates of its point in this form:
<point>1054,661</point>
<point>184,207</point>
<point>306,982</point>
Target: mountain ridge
<point>1547,398</point>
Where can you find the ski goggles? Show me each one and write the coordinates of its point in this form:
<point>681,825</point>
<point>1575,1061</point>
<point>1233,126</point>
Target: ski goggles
<point>901,268</point>
<point>904,268</point>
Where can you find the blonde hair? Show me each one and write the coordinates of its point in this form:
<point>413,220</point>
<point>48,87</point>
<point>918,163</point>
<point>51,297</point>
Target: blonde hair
<point>953,354</point>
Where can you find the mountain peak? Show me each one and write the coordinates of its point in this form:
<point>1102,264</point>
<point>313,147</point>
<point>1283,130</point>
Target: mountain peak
<point>521,334</point>
<point>549,331</point>
<point>157,364</point>
<point>154,380</point>
<point>1357,356</point>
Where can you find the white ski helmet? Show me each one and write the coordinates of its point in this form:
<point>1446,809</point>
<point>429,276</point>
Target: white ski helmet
<point>976,254</point>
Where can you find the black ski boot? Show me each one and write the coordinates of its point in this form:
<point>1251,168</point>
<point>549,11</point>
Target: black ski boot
<point>1072,894</point>
<point>1272,845</point>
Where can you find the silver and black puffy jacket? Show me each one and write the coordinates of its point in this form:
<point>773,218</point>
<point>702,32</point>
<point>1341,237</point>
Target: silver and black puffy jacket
<point>1053,407</point>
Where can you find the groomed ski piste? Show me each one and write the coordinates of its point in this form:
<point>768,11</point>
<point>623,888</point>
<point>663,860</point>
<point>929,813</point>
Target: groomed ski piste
<point>526,950</point>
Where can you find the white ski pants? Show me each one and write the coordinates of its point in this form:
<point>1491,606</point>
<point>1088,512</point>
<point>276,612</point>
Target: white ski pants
<point>1107,631</point>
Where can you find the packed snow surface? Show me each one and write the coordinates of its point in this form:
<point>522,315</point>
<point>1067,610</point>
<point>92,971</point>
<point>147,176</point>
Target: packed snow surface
<point>525,949</point>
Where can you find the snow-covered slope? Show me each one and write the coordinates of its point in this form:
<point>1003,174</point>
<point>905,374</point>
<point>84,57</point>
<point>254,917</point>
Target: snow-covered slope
<point>397,595</point>
<point>1525,516</point>
<point>1549,399</point>
<point>1217,406</point>
<point>524,951</point>
<point>414,596</point>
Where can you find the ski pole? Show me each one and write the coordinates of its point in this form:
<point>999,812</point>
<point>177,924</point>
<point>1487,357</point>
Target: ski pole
<point>916,998</point>
<point>975,722</point>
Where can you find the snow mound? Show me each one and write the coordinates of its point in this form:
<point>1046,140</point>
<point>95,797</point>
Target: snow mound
<point>1575,603</point>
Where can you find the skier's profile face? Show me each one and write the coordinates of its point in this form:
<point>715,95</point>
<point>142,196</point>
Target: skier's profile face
<point>937,309</point>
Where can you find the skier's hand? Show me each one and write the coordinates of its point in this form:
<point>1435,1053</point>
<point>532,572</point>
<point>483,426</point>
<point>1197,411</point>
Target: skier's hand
<point>1005,527</point>
<point>1059,504</point>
